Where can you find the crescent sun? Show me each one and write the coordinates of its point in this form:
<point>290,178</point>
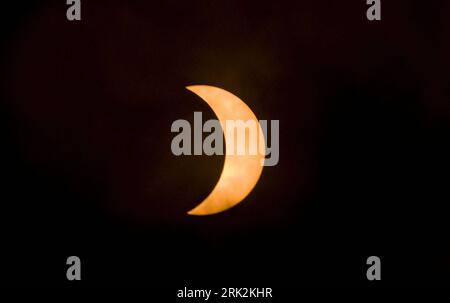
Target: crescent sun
<point>240,173</point>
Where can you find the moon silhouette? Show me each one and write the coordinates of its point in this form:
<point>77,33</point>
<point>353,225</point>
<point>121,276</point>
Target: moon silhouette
<point>240,173</point>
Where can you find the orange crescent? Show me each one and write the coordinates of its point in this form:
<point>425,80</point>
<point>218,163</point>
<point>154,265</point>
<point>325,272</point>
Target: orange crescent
<point>240,173</point>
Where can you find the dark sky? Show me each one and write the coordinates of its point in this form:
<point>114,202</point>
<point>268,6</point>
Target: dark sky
<point>86,109</point>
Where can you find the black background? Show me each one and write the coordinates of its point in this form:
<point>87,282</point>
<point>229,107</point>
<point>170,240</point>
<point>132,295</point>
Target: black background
<point>87,170</point>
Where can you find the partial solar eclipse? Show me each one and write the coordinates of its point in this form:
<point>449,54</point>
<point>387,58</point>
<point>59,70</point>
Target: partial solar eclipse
<point>240,172</point>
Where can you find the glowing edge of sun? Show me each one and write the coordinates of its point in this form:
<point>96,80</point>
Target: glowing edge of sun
<point>240,173</point>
